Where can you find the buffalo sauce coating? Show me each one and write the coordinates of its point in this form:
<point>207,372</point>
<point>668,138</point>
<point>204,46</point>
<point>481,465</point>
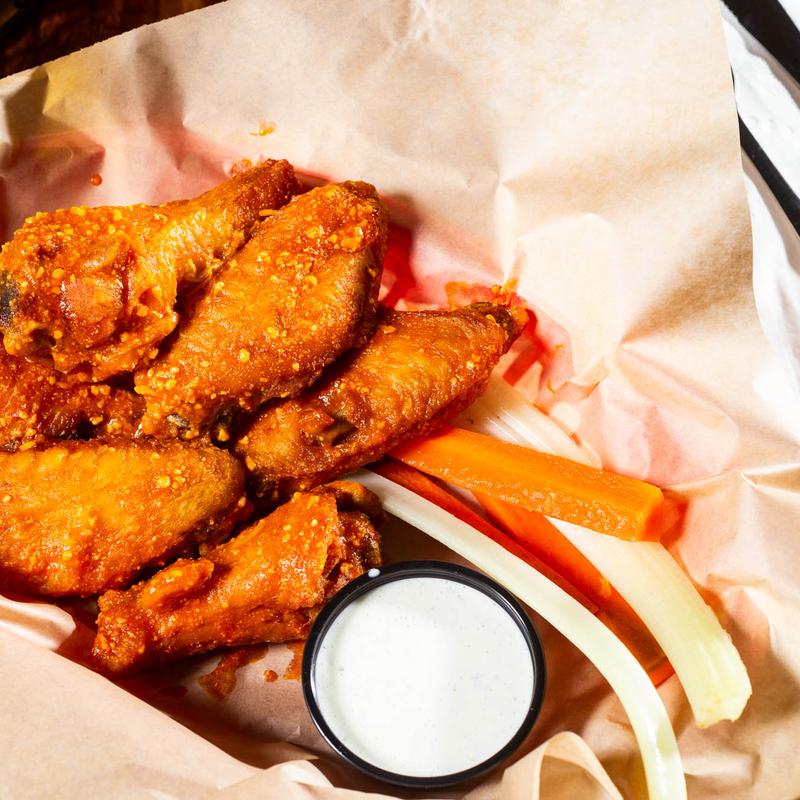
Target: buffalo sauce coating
<point>38,403</point>
<point>301,291</point>
<point>418,370</point>
<point>96,287</point>
<point>78,518</point>
<point>265,585</point>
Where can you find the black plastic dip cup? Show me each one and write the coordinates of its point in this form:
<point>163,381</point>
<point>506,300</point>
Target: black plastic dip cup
<point>423,674</point>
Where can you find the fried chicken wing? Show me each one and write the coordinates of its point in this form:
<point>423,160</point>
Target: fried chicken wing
<point>96,287</point>
<point>301,291</point>
<point>38,403</point>
<point>419,370</point>
<point>82,517</point>
<point>267,584</point>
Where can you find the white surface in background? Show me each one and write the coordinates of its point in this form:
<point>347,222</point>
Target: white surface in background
<point>776,273</point>
<point>769,103</point>
<point>792,8</point>
<point>768,99</point>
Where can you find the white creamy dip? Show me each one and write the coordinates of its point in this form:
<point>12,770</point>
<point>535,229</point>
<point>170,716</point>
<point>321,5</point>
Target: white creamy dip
<point>424,676</point>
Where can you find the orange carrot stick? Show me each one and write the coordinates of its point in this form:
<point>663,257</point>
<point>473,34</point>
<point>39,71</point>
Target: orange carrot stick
<point>548,484</point>
<point>422,485</point>
<point>546,542</point>
<point>615,613</point>
<point>542,539</point>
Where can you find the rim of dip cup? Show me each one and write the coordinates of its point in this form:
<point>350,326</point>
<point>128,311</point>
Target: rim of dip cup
<point>399,571</point>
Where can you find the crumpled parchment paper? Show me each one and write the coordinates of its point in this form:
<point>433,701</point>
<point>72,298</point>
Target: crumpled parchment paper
<point>586,150</point>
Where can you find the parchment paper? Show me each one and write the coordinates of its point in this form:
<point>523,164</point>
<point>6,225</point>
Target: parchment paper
<point>587,150</point>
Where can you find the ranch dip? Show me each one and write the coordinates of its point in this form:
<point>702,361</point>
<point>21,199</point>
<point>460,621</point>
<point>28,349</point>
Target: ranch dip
<point>424,676</point>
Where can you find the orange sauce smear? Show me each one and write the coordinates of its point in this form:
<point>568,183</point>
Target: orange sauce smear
<point>221,681</point>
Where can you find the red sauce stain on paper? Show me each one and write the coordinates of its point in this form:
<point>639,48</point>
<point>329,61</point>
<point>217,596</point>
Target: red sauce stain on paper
<point>397,272</point>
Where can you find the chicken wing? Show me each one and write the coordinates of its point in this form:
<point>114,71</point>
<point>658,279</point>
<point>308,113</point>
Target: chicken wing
<point>419,370</point>
<point>302,291</point>
<point>38,403</point>
<point>265,585</point>
<point>96,287</point>
<point>82,517</point>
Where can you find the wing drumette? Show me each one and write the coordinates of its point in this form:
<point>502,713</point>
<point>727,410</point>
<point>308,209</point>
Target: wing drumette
<point>302,291</point>
<point>418,370</point>
<point>82,517</point>
<point>96,287</point>
<point>265,585</point>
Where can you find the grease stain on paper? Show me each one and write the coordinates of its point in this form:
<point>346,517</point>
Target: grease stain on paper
<point>264,128</point>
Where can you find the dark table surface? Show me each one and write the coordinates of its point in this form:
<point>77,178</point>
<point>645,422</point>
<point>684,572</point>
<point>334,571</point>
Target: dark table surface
<point>35,31</point>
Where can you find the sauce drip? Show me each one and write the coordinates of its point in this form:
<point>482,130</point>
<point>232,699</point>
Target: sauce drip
<point>294,670</point>
<point>221,681</point>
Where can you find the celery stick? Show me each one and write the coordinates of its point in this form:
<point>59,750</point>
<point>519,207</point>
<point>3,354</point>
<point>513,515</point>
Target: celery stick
<point>648,717</point>
<point>645,574</point>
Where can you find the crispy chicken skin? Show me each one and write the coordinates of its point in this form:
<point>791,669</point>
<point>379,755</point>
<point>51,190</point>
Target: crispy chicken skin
<point>301,292</point>
<point>267,584</point>
<point>37,403</point>
<point>81,517</point>
<point>96,287</point>
<point>418,370</point>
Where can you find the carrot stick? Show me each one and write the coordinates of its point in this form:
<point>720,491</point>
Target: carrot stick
<point>548,484</point>
<point>422,485</point>
<point>546,542</point>
<point>553,564</point>
<point>542,539</point>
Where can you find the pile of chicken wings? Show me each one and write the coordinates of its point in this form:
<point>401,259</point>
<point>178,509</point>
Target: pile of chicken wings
<point>181,388</point>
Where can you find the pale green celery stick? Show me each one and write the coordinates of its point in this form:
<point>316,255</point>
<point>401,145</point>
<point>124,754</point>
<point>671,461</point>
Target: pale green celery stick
<point>648,717</point>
